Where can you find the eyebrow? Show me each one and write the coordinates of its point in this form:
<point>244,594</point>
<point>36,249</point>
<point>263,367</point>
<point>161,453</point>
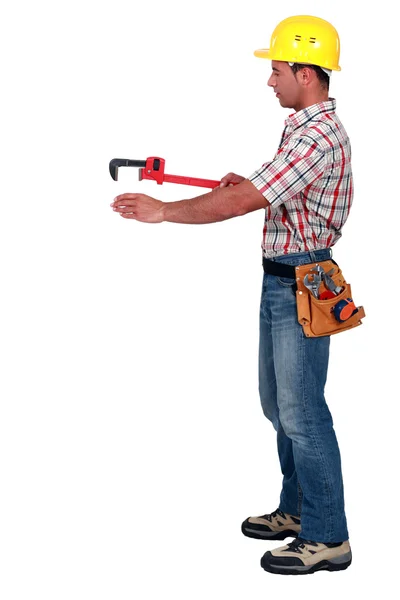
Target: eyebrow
<point>275,69</point>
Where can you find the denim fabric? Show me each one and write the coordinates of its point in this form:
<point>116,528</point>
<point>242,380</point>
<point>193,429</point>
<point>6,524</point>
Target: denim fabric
<point>292,376</point>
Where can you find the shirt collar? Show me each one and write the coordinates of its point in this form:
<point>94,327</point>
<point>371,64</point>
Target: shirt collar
<point>300,118</point>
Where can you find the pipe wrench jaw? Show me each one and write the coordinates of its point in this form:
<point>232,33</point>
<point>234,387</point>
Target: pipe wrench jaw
<point>154,170</point>
<point>123,162</point>
<point>114,164</point>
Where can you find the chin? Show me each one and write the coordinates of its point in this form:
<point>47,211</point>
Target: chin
<point>285,104</point>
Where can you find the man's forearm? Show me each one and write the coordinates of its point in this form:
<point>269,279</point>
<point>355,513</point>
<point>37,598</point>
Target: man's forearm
<point>218,205</point>
<point>209,208</point>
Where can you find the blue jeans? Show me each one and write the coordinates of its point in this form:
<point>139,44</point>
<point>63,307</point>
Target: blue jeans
<point>292,376</point>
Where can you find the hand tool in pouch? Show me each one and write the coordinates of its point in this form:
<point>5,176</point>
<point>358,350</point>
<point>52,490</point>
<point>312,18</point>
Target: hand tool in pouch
<point>345,308</point>
<point>153,169</point>
<point>331,289</point>
<point>312,281</point>
<point>329,311</point>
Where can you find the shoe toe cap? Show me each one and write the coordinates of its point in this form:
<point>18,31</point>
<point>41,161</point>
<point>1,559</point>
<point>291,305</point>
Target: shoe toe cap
<point>255,526</point>
<point>288,561</point>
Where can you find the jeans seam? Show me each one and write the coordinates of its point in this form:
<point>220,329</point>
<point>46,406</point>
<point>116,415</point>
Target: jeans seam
<point>316,446</point>
<point>299,497</point>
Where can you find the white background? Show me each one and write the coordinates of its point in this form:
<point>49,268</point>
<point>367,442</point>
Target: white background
<point>132,440</point>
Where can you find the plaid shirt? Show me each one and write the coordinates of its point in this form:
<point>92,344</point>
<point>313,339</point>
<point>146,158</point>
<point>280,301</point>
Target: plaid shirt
<point>308,184</point>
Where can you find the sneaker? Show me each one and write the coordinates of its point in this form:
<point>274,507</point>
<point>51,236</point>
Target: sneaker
<point>276,526</point>
<point>302,556</point>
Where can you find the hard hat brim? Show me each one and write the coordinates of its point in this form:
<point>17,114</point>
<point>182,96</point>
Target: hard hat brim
<point>266,53</point>
<point>262,53</point>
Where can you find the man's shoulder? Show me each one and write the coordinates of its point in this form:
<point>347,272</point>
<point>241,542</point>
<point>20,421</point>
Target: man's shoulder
<point>326,130</point>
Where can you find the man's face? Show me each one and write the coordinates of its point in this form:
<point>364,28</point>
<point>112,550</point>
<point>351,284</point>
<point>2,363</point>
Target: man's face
<point>285,84</point>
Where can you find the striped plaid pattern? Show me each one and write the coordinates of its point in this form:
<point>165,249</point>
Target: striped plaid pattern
<point>308,184</point>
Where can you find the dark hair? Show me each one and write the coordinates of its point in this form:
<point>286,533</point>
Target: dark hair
<point>322,76</point>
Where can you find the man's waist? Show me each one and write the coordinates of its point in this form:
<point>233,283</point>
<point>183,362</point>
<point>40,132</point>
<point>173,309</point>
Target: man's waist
<point>284,265</point>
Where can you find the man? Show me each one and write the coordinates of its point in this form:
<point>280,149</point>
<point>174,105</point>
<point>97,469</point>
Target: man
<point>306,191</point>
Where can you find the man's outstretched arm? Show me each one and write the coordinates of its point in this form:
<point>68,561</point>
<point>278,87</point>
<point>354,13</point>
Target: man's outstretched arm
<point>220,204</point>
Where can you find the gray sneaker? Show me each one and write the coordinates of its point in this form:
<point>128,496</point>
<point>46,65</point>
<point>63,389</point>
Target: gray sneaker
<point>275,526</point>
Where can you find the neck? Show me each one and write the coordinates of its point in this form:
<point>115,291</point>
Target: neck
<point>309,101</point>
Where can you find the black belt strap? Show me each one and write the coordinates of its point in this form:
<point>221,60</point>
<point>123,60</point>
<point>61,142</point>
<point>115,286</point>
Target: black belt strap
<point>279,269</point>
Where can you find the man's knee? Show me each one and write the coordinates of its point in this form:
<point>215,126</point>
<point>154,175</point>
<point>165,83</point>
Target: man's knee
<point>294,424</point>
<point>270,408</point>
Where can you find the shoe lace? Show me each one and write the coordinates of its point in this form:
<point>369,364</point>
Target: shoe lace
<point>274,514</point>
<point>299,544</point>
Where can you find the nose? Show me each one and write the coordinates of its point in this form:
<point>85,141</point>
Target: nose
<point>271,81</point>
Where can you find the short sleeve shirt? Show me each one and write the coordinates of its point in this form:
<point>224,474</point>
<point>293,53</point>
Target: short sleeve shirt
<point>308,184</point>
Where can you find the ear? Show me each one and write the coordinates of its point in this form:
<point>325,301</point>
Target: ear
<point>306,76</point>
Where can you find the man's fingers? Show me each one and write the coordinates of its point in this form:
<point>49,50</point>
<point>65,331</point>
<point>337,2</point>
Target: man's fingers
<point>225,180</point>
<point>225,184</point>
<point>122,203</point>
<point>230,179</point>
<point>125,197</point>
<point>124,200</point>
<point>125,208</point>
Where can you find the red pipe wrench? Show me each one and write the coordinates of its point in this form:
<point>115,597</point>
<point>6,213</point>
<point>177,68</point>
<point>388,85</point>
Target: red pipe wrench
<point>153,168</point>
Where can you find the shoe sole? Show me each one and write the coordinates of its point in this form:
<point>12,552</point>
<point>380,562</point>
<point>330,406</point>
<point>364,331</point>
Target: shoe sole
<point>268,535</point>
<point>324,565</point>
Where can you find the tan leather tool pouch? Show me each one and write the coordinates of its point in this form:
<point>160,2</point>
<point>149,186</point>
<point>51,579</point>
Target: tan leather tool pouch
<point>316,316</point>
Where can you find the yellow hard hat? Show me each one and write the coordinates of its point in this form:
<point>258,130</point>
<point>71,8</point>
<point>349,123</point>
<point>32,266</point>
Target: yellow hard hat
<point>304,39</point>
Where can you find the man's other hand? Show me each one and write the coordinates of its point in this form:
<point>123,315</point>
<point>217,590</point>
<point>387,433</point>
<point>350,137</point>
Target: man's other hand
<point>140,207</point>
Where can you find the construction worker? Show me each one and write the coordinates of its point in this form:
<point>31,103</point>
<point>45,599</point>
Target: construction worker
<point>306,191</point>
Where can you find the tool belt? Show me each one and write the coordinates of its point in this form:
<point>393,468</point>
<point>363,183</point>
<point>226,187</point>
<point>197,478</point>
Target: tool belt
<point>330,312</point>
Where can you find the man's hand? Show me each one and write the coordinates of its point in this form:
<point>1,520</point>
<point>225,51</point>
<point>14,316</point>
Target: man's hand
<point>140,207</point>
<point>230,179</point>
